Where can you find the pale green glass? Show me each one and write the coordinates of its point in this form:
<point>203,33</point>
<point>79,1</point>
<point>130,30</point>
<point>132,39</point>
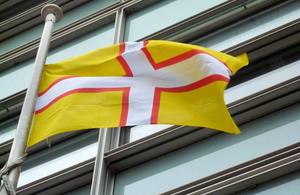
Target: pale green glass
<point>143,23</point>
<point>18,77</point>
<point>163,14</point>
<point>285,185</point>
<point>69,17</point>
<point>254,27</point>
<point>258,137</point>
<point>85,190</point>
<point>59,157</point>
<point>7,131</point>
<point>233,94</point>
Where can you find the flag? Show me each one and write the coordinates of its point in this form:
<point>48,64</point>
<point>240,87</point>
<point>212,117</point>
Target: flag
<point>135,83</point>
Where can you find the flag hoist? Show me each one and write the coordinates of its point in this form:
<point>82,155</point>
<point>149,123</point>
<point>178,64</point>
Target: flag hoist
<point>135,83</point>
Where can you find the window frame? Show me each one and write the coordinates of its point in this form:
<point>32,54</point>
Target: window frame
<point>32,17</point>
<point>246,175</point>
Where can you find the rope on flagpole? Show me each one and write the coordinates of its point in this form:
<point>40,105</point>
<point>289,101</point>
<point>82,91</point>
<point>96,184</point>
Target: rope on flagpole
<point>5,182</point>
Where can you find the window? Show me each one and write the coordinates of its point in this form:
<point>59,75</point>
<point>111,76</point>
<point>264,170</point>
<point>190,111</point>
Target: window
<point>59,157</point>
<point>20,75</point>
<point>145,22</point>
<point>204,158</point>
<point>69,17</point>
<point>232,36</point>
<point>288,184</point>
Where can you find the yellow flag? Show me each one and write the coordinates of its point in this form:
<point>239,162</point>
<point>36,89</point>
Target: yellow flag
<point>135,83</point>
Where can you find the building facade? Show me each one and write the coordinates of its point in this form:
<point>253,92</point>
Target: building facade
<point>263,99</point>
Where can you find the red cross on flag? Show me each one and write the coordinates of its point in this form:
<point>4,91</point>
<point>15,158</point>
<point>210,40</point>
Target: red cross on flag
<point>135,83</point>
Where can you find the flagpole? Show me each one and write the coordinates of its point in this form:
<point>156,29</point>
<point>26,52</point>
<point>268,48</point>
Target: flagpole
<point>51,13</point>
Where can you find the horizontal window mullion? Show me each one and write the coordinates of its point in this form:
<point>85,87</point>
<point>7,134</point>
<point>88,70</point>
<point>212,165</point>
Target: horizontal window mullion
<point>31,17</point>
<point>59,37</point>
<point>182,165</point>
<point>84,169</point>
<point>245,175</point>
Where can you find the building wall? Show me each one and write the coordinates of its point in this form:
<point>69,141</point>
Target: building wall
<point>163,159</point>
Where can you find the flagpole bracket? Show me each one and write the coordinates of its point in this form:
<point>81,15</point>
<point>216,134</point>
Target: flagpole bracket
<point>52,9</point>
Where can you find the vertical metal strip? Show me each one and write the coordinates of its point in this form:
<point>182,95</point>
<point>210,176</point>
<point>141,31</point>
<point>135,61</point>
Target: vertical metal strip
<point>100,168</point>
<point>109,138</point>
<point>120,26</point>
<point>118,38</point>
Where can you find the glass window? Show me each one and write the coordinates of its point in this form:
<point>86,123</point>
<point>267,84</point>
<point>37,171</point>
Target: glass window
<point>59,157</point>
<point>15,79</point>
<point>7,130</point>
<point>18,77</point>
<point>288,184</point>
<point>145,22</point>
<point>233,94</point>
<point>85,190</point>
<point>203,158</point>
<point>222,40</point>
<point>262,82</point>
<point>93,40</point>
<point>141,131</point>
<point>69,17</point>
<point>255,26</point>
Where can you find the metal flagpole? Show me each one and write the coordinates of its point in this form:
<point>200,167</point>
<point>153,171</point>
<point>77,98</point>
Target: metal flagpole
<point>51,13</point>
<point>98,184</point>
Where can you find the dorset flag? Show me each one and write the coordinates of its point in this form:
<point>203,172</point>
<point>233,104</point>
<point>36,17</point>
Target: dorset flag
<point>135,83</point>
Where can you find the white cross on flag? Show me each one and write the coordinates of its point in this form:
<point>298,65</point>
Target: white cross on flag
<point>135,83</point>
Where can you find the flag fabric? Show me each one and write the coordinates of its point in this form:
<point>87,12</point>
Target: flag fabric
<point>135,83</point>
